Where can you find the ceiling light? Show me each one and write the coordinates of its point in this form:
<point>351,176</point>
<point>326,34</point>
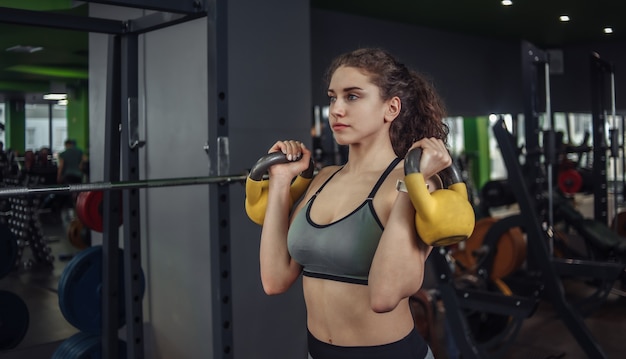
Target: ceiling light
<point>564,18</point>
<point>608,30</point>
<point>55,96</point>
<point>62,103</point>
<point>507,2</point>
<point>24,49</point>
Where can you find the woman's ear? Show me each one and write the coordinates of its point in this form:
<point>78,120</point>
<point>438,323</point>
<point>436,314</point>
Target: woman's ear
<point>394,105</point>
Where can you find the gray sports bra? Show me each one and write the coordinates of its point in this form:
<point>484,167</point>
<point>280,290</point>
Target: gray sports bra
<point>342,250</point>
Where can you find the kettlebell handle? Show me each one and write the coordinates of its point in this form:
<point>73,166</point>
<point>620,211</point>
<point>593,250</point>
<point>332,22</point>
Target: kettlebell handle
<point>449,175</point>
<point>264,163</point>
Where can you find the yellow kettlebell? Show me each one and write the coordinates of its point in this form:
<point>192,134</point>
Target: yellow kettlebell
<point>445,216</point>
<point>257,186</point>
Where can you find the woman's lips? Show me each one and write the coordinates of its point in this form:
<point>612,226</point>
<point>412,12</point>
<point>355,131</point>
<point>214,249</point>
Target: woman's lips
<point>339,127</point>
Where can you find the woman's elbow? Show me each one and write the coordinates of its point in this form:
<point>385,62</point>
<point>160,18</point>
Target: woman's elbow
<point>270,290</point>
<point>383,306</point>
<point>383,300</point>
<point>274,287</point>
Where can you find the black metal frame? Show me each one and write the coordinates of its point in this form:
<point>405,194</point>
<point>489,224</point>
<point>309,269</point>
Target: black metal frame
<point>538,248</point>
<point>122,159</point>
<point>532,57</point>
<point>599,69</point>
<point>458,301</point>
<point>219,195</point>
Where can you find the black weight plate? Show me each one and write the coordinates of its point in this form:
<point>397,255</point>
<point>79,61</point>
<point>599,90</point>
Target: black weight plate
<point>8,250</point>
<point>14,320</point>
<point>80,290</point>
<point>65,348</point>
<point>89,346</point>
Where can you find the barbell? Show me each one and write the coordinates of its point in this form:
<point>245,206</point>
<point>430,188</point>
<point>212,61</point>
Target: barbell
<point>90,198</point>
<point>111,186</point>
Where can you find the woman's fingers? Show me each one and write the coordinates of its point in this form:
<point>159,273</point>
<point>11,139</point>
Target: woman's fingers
<point>435,156</point>
<point>292,149</point>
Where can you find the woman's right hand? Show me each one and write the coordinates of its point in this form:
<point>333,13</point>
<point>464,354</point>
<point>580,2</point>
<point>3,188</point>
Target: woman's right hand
<point>298,156</point>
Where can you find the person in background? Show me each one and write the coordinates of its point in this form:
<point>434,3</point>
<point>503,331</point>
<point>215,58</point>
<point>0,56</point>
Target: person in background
<point>70,164</point>
<point>352,236</point>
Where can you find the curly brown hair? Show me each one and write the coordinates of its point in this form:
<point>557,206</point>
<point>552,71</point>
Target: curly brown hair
<point>422,110</point>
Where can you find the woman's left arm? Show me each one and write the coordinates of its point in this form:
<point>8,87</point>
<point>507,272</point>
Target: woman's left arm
<point>397,270</point>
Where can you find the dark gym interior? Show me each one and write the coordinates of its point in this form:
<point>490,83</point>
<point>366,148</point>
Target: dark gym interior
<point>150,253</point>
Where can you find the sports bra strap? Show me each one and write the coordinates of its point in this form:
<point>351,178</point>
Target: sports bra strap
<point>382,178</point>
<point>327,180</point>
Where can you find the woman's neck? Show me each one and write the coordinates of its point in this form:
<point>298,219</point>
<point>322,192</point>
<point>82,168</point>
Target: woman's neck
<point>365,159</point>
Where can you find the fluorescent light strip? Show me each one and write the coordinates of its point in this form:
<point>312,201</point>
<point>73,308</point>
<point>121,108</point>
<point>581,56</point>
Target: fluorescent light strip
<point>55,96</point>
<point>608,30</point>
<point>564,18</point>
<point>507,2</point>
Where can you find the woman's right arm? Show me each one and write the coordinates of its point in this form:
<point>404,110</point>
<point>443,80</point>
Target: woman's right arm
<point>278,270</point>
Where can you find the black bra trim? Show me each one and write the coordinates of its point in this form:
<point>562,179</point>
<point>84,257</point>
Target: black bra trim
<point>334,277</point>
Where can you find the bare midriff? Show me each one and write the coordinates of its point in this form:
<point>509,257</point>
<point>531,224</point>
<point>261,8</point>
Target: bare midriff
<point>339,313</point>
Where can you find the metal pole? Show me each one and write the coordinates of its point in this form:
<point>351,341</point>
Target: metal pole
<point>219,196</point>
<point>130,198</point>
<point>598,108</point>
<point>549,153</point>
<point>614,150</point>
<point>111,205</point>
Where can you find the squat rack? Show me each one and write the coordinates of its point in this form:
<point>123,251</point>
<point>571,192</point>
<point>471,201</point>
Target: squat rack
<point>121,160</point>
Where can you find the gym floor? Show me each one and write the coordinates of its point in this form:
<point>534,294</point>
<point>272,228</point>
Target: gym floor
<point>543,335</point>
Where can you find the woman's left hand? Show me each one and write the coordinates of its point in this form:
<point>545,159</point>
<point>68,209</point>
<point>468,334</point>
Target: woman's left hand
<point>435,156</point>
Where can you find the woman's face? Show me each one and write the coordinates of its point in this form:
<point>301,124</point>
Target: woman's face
<point>356,108</point>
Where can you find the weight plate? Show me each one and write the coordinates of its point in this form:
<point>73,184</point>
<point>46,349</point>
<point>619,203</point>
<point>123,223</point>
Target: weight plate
<point>93,207</point>
<point>89,209</point>
<point>77,234</point>
<point>92,348</point>
<point>80,290</point>
<point>85,346</point>
<point>81,209</point>
<point>14,320</point>
<point>8,250</point>
<point>64,350</point>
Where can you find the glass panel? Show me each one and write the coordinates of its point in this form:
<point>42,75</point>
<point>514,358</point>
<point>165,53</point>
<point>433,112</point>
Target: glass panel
<point>37,134</point>
<point>456,138</point>
<point>498,168</point>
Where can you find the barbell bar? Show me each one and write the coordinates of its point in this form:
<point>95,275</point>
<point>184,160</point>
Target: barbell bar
<point>111,186</point>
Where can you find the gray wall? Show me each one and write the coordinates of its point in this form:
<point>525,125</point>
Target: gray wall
<point>474,75</point>
<point>269,99</point>
<point>571,91</point>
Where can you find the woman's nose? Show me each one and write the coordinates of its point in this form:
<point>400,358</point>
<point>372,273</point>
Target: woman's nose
<point>337,109</point>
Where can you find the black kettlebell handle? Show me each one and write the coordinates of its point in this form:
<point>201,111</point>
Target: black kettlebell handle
<point>264,163</point>
<point>449,176</point>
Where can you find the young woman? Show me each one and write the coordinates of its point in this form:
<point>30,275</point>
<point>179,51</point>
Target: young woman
<point>353,235</point>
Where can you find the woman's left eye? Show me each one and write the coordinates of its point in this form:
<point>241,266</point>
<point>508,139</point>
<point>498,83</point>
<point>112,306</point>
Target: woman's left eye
<point>352,97</point>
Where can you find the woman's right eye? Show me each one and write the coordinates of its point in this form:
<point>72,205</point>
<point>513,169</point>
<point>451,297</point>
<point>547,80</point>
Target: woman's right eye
<point>332,98</point>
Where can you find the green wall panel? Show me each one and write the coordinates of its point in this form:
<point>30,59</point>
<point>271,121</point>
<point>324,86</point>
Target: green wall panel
<point>15,125</point>
<point>476,130</point>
